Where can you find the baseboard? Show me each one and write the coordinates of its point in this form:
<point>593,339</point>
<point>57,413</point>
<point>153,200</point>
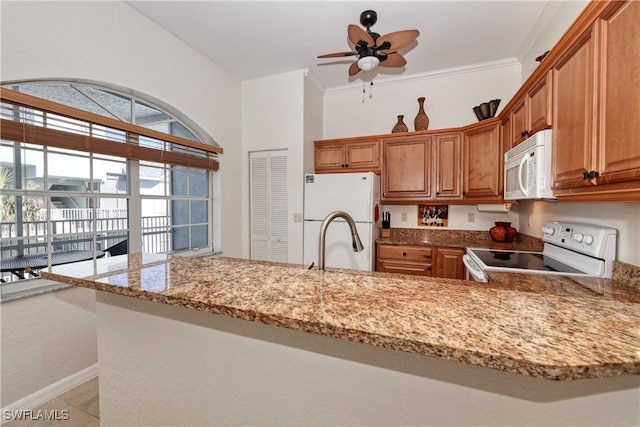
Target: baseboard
<point>52,391</point>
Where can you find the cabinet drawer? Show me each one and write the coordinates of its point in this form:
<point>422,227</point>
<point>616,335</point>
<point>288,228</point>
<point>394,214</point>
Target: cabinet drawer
<point>408,253</point>
<point>408,268</point>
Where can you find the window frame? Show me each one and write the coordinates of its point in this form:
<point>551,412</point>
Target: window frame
<point>133,197</point>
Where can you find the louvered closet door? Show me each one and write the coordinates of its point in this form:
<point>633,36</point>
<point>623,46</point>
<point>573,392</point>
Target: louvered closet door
<point>269,205</point>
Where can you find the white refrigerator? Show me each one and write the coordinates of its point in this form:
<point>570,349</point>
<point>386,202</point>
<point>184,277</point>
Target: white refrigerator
<point>357,194</point>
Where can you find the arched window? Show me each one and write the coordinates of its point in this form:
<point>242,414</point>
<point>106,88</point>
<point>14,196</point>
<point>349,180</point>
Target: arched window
<point>129,191</point>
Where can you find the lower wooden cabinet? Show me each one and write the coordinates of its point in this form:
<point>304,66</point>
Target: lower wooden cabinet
<point>421,260</point>
<point>416,260</point>
<point>449,263</point>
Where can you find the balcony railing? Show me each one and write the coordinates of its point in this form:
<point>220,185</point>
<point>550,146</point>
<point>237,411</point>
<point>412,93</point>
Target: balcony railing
<point>74,229</point>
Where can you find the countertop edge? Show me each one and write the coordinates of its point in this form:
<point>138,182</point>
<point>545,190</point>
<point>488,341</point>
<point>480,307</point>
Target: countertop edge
<point>467,356</point>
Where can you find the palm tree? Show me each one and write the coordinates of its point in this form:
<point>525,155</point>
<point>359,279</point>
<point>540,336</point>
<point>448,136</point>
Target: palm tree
<point>31,207</point>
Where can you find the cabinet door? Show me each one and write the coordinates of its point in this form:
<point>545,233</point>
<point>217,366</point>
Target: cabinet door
<point>405,169</point>
<point>329,157</point>
<point>449,263</point>
<point>519,125</point>
<point>363,156</point>
<point>483,164</point>
<point>619,149</point>
<point>448,166</point>
<point>573,112</point>
<point>540,106</point>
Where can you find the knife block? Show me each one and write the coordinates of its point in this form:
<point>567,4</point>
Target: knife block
<point>386,232</point>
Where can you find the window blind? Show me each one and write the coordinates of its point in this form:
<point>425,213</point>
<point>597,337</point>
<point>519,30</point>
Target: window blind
<point>33,120</point>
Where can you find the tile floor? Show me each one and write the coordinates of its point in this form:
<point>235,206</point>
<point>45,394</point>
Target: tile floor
<point>81,403</point>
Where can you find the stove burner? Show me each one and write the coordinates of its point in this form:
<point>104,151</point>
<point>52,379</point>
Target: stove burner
<point>523,261</point>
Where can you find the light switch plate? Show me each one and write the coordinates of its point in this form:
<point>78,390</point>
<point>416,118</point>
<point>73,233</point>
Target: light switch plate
<point>403,217</point>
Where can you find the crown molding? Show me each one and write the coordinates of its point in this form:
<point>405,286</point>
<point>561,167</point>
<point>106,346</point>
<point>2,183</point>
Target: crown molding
<point>508,62</point>
<point>315,80</point>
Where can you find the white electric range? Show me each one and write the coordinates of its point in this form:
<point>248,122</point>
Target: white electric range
<point>570,249</point>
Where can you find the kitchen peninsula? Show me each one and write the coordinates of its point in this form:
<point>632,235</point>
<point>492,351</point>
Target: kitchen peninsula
<point>214,340</point>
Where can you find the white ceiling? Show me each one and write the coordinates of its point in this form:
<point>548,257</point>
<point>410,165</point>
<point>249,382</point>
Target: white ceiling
<point>252,39</point>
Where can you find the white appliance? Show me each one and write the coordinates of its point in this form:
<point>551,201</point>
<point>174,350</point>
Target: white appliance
<point>357,194</point>
<point>570,249</point>
<point>527,169</point>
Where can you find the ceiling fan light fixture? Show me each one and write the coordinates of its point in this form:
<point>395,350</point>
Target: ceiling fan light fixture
<point>368,63</point>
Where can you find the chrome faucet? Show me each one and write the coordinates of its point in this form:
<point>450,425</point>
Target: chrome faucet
<point>355,239</point>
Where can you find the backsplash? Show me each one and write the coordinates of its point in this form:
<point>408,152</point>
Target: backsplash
<point>429,234</point>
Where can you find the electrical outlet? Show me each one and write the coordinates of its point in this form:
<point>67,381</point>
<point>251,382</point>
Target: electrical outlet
<point>471,217</point>
<point>297,217</point>
<point>403,216</point>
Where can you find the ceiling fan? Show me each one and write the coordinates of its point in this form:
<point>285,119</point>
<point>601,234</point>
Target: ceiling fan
<point>371,48</point>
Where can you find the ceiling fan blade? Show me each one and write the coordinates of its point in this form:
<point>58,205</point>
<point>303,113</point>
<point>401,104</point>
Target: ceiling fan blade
<point>394,60</point>
<point>397,40</point>
<point>354,69</point>
<point>337,55</point>
<point>357,34</point>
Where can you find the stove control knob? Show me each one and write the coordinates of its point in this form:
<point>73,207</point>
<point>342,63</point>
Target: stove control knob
<point>578,237</point>
<point>588,239</point>
<point>548,230</point>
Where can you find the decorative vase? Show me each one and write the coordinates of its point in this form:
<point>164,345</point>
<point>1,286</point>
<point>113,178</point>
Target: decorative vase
<point>421,122</point>
<point>503,232</point>
<point>400,126</point>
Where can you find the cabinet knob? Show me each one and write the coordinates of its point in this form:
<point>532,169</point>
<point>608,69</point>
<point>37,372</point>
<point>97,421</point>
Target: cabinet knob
<point>590,175</point>
<point>404,254</point>
<point>524,133</point>
<point>429,268</point>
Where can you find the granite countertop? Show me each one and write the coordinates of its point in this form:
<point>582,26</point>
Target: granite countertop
<point>548,327</point>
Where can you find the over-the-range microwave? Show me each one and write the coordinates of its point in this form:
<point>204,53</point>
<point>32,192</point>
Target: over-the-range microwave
<point>527,169</point>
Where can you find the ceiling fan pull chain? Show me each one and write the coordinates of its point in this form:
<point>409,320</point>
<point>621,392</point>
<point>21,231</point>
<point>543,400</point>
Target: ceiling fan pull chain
<point>371,89</point>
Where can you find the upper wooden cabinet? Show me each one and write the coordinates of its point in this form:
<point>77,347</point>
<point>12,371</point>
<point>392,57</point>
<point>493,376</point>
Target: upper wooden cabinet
<point>422,167</point>
<point>447,166</point>
<point>597,110</point>
<point>348,155</point>
<point>483,163</point>
<point>406,169</point>
<point>531,113</point>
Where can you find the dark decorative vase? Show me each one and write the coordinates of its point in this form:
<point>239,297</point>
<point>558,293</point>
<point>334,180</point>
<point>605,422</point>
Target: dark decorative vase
<point>421,122</point>
<point>400,126</point>
<point>503,232</point>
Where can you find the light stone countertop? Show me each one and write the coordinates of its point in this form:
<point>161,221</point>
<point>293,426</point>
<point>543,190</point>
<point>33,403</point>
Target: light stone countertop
<point>541,326</point>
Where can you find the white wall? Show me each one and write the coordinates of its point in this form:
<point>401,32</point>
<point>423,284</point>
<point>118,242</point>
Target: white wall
<point>106,42</point>
<point>450,98</point>
<point>273,118</point>
<point>313,119</point>
<point>45,339</point>
<point>228,371</point>
<point>66,40</point>
<point>556,18</point>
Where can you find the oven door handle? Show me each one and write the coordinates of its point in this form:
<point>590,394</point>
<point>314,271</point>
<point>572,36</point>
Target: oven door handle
<point>521,169</point>
<point>474,270</point>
